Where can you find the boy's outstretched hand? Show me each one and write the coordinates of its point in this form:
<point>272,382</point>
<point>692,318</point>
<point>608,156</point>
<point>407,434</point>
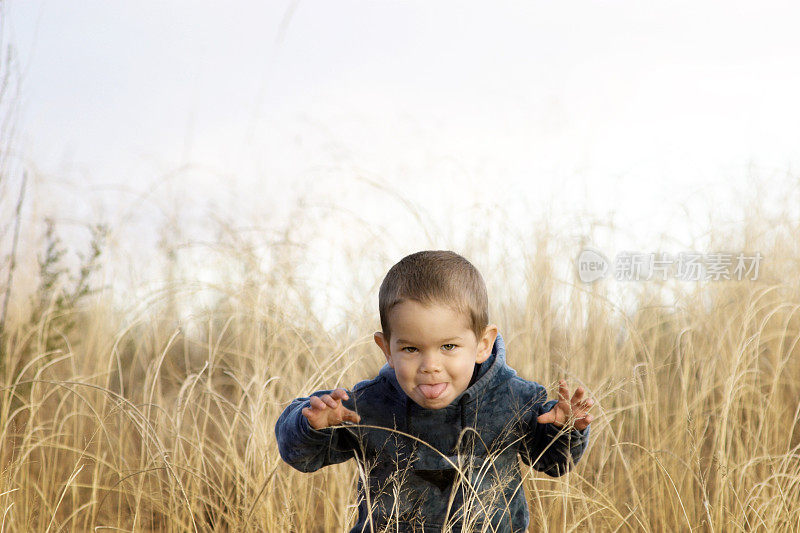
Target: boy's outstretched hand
<point>577,407</point>
<point>327,410</point>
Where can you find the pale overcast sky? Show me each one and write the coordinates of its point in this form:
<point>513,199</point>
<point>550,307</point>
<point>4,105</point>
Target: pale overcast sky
<point>630,107</point>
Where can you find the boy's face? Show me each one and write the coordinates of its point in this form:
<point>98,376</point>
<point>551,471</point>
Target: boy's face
<point>433,352</point>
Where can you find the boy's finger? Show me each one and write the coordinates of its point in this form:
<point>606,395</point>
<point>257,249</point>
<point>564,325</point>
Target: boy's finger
<point>340,394</point>
<point>316,403</point>
<point>578,396</point>
<point>563,390</point>
<point>330,402</point>
<point>352,416</point>
<point>583,406</point>
<point>546,418</point>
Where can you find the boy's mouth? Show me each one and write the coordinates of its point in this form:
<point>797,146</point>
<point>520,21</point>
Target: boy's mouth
<point>432,391</point>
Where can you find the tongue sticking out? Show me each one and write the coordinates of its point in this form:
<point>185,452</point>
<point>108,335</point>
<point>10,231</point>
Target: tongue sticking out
<point>432,391</point>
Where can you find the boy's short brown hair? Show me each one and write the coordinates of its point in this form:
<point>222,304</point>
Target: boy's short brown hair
<point>436,277</point>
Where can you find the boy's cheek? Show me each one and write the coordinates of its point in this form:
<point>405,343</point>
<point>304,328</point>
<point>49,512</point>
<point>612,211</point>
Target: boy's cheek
<point>407,386</point>
<point>402,374</point>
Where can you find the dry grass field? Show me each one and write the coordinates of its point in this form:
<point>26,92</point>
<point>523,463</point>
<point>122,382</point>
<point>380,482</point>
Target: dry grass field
<point>157,412</point>
<point>138,418</point>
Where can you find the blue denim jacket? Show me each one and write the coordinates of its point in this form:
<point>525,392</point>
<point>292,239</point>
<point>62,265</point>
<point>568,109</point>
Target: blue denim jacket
<point>428,469</point>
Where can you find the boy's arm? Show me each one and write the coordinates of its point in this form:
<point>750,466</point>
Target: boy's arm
<point>543,447</point>
<point>308,449</point>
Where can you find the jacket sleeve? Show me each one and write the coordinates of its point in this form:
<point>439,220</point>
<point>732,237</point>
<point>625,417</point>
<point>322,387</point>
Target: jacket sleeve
<point>305,448</point>
<point>543,447</point>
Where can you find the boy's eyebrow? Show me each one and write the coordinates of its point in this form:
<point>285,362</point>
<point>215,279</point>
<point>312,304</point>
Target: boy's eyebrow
<point>403,341</point>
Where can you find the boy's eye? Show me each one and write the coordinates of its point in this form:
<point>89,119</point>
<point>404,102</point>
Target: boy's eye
<point>447,347</point>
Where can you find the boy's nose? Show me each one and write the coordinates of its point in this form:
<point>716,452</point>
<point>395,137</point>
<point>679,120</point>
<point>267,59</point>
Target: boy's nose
<point>430,365</point>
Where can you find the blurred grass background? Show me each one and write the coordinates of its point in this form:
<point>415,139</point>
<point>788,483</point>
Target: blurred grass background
<point>141,418</point>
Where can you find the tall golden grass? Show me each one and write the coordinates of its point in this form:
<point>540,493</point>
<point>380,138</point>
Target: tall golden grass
<point>138,419</point>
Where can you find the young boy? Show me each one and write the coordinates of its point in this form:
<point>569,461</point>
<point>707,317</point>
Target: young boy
<point>438,431</point>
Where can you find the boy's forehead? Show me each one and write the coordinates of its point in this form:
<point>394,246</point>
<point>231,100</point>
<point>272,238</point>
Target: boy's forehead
<point>437,323</point>
<point>409,310</point>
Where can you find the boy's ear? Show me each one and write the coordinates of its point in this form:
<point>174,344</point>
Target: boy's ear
<point>381,341</point>
<point>486,343</point>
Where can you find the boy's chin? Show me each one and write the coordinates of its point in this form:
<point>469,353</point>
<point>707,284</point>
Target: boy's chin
<point>437,403</point>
